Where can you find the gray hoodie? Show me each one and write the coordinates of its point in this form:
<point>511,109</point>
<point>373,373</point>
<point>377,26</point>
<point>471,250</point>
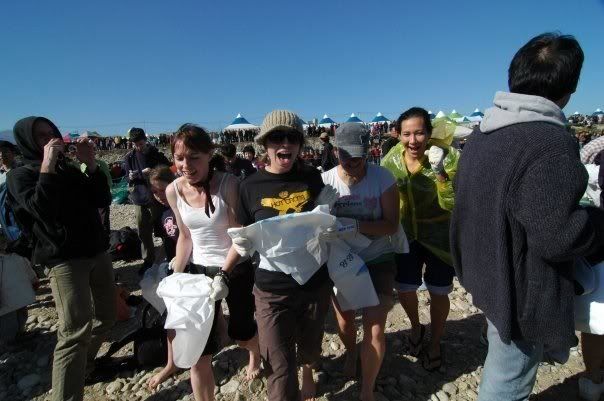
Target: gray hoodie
<point>514,108</point>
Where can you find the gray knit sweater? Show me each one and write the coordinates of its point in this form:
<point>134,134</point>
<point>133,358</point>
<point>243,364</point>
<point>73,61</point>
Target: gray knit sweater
<point>517,224</point>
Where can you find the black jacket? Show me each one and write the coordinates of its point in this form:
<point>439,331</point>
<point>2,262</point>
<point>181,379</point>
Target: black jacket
<point>60,210</point>
<point>328,159</point>
<point>137,162</point>
<point>517,227</point>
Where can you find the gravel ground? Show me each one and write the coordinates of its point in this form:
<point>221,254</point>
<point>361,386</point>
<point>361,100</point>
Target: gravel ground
<point>25,365</point>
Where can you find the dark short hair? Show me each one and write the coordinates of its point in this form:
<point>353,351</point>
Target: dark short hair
<point>228,150</point>
<point>412,113</point>
<point>249,149</point>
<point>549,66</point>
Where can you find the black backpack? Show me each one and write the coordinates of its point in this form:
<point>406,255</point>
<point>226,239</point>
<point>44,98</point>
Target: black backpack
<point>149,337</point>
<point>124,244</point>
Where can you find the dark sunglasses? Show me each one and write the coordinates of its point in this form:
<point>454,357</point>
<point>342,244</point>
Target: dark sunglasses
<point>280,136</point>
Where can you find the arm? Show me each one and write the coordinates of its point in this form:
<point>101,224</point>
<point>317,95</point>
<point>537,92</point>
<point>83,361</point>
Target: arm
<point>232,197</point>
<point>444,186</point>
<point>546,204</point>
<point>184,244</point>
<point>37,195</point>
<point>390,221</point>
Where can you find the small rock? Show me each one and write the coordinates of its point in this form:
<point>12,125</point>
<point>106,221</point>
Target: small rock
<point>230,387</point>
<point>334,346</point>
<point>256,386</point>
<point>114,387</point>
<point>28,381</point>
<point>450,388</point>
<point>442,396</point>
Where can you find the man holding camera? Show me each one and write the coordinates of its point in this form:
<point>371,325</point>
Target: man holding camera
<point>58,205</point>
<point>138,163</point>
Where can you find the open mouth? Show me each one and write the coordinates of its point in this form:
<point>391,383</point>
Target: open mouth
<point>284,156</point>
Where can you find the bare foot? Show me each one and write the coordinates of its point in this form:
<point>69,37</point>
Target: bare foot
<point>159,378</point>
<point>253,367</point>
<point>309,387</point>
<point>350,364</point>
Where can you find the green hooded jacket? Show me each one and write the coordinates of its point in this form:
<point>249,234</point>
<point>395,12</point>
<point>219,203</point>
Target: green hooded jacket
<point>425,202</point>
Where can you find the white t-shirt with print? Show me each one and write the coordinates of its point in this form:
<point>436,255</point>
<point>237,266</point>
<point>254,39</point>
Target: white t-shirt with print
<point>362,202</point>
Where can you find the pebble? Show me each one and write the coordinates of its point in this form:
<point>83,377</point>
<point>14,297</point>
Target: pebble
<point>114,387</point>
<point>334,346</point>
<point>450,388</point>
<point>230,387</point>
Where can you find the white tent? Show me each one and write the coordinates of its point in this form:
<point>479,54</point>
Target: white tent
<point>354,119</point>
<point>240,123</point>
<point>476,116</point>
<point>440,114</point>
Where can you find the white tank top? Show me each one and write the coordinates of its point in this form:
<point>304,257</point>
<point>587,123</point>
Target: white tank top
<point>211,243</point>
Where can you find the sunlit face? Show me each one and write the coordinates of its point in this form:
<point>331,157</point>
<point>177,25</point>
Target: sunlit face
<point>282,148</point>
<point>414,136</point>
<point>248,155</point>
<point>42,133</point>
<point>158,188</point>
<point>191,164</point>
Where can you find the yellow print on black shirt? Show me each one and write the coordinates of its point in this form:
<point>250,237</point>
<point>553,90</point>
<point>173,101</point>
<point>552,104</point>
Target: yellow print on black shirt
<point>287,202</point>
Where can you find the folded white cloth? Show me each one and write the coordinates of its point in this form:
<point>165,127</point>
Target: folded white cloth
<point>190,314</point>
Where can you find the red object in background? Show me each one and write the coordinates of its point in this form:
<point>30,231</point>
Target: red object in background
<point>123,310</point>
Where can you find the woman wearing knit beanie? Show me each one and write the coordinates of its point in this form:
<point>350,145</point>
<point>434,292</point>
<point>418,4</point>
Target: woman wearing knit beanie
<point>288,314</point>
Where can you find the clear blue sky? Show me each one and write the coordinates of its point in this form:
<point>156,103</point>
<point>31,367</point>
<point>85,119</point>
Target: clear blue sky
<point>108,65</point>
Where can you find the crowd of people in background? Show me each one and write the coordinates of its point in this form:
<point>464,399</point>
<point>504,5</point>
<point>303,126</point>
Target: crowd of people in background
<point>390,184</point>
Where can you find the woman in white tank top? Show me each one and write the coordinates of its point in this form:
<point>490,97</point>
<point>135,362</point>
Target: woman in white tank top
<point>203,200</point>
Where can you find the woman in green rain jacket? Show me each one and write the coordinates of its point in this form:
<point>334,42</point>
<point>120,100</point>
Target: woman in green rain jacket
<point>423,167</point>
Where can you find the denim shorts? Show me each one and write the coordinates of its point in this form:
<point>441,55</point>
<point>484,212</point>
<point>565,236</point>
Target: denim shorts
<point>438,275</point>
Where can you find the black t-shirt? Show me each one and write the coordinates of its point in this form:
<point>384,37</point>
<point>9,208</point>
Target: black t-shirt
<point>167,229</point>
<point>264,195</point>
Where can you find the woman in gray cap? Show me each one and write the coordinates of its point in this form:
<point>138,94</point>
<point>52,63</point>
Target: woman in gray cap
<point>368,201</point>
<point>288,314</point>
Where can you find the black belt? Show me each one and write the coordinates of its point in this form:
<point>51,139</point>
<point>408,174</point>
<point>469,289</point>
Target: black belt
<point>209,271</point>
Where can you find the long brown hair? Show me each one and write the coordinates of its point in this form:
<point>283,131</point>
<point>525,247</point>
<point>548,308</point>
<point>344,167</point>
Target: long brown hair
<point>196,138</point>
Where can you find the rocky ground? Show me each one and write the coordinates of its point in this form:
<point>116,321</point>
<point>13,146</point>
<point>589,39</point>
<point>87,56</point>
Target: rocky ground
<point>25,365</point>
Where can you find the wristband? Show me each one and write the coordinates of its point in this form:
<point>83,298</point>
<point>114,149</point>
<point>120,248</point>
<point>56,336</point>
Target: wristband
<point>225,277</point>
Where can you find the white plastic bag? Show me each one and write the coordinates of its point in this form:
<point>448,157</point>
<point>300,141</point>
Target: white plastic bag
<point>589,308</point>
<point>290,243</point>
<point>16,277</point>
<point>149,283</point>
<point>190,314</point>
<point>352,283</point>
<point>592,192</point>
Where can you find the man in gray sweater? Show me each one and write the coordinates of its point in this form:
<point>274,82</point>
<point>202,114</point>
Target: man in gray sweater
<point>517,225</point>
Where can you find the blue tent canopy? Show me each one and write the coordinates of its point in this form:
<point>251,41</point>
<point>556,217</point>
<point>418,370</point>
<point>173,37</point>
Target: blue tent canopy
<point>432,115</point>
<point>326,120</point>
<point>354,119</point>
<point>379,118</point>
<point>598,112</point>
<point>477,113</point>
<point>240,120</point>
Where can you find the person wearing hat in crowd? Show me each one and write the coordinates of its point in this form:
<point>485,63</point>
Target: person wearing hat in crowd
<point>328,158</point>
<point>138,164</point>
<point>234,164</point>
<point>7,159</point>
<point>58,205</point>
<point>368,200</point>
<point>288,314</point>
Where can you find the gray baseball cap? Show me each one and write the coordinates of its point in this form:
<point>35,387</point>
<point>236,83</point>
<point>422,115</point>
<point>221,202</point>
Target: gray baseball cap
<point>352,140</point>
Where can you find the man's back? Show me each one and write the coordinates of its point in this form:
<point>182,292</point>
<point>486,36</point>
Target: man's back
<point>517,227</point>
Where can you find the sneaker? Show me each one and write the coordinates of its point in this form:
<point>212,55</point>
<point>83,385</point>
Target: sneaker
<point>589,390</point>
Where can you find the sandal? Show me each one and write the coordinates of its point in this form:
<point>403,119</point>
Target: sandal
<point>432,364</point>
<point>415,347</point>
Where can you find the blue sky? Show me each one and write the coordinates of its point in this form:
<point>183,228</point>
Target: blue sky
<point>108,65</point>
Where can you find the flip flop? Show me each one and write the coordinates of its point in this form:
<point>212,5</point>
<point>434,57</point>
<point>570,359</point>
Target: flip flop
<point>416,347</point>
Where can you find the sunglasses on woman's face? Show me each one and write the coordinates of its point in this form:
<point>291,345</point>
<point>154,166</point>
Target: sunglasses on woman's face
<point>280,136</point>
